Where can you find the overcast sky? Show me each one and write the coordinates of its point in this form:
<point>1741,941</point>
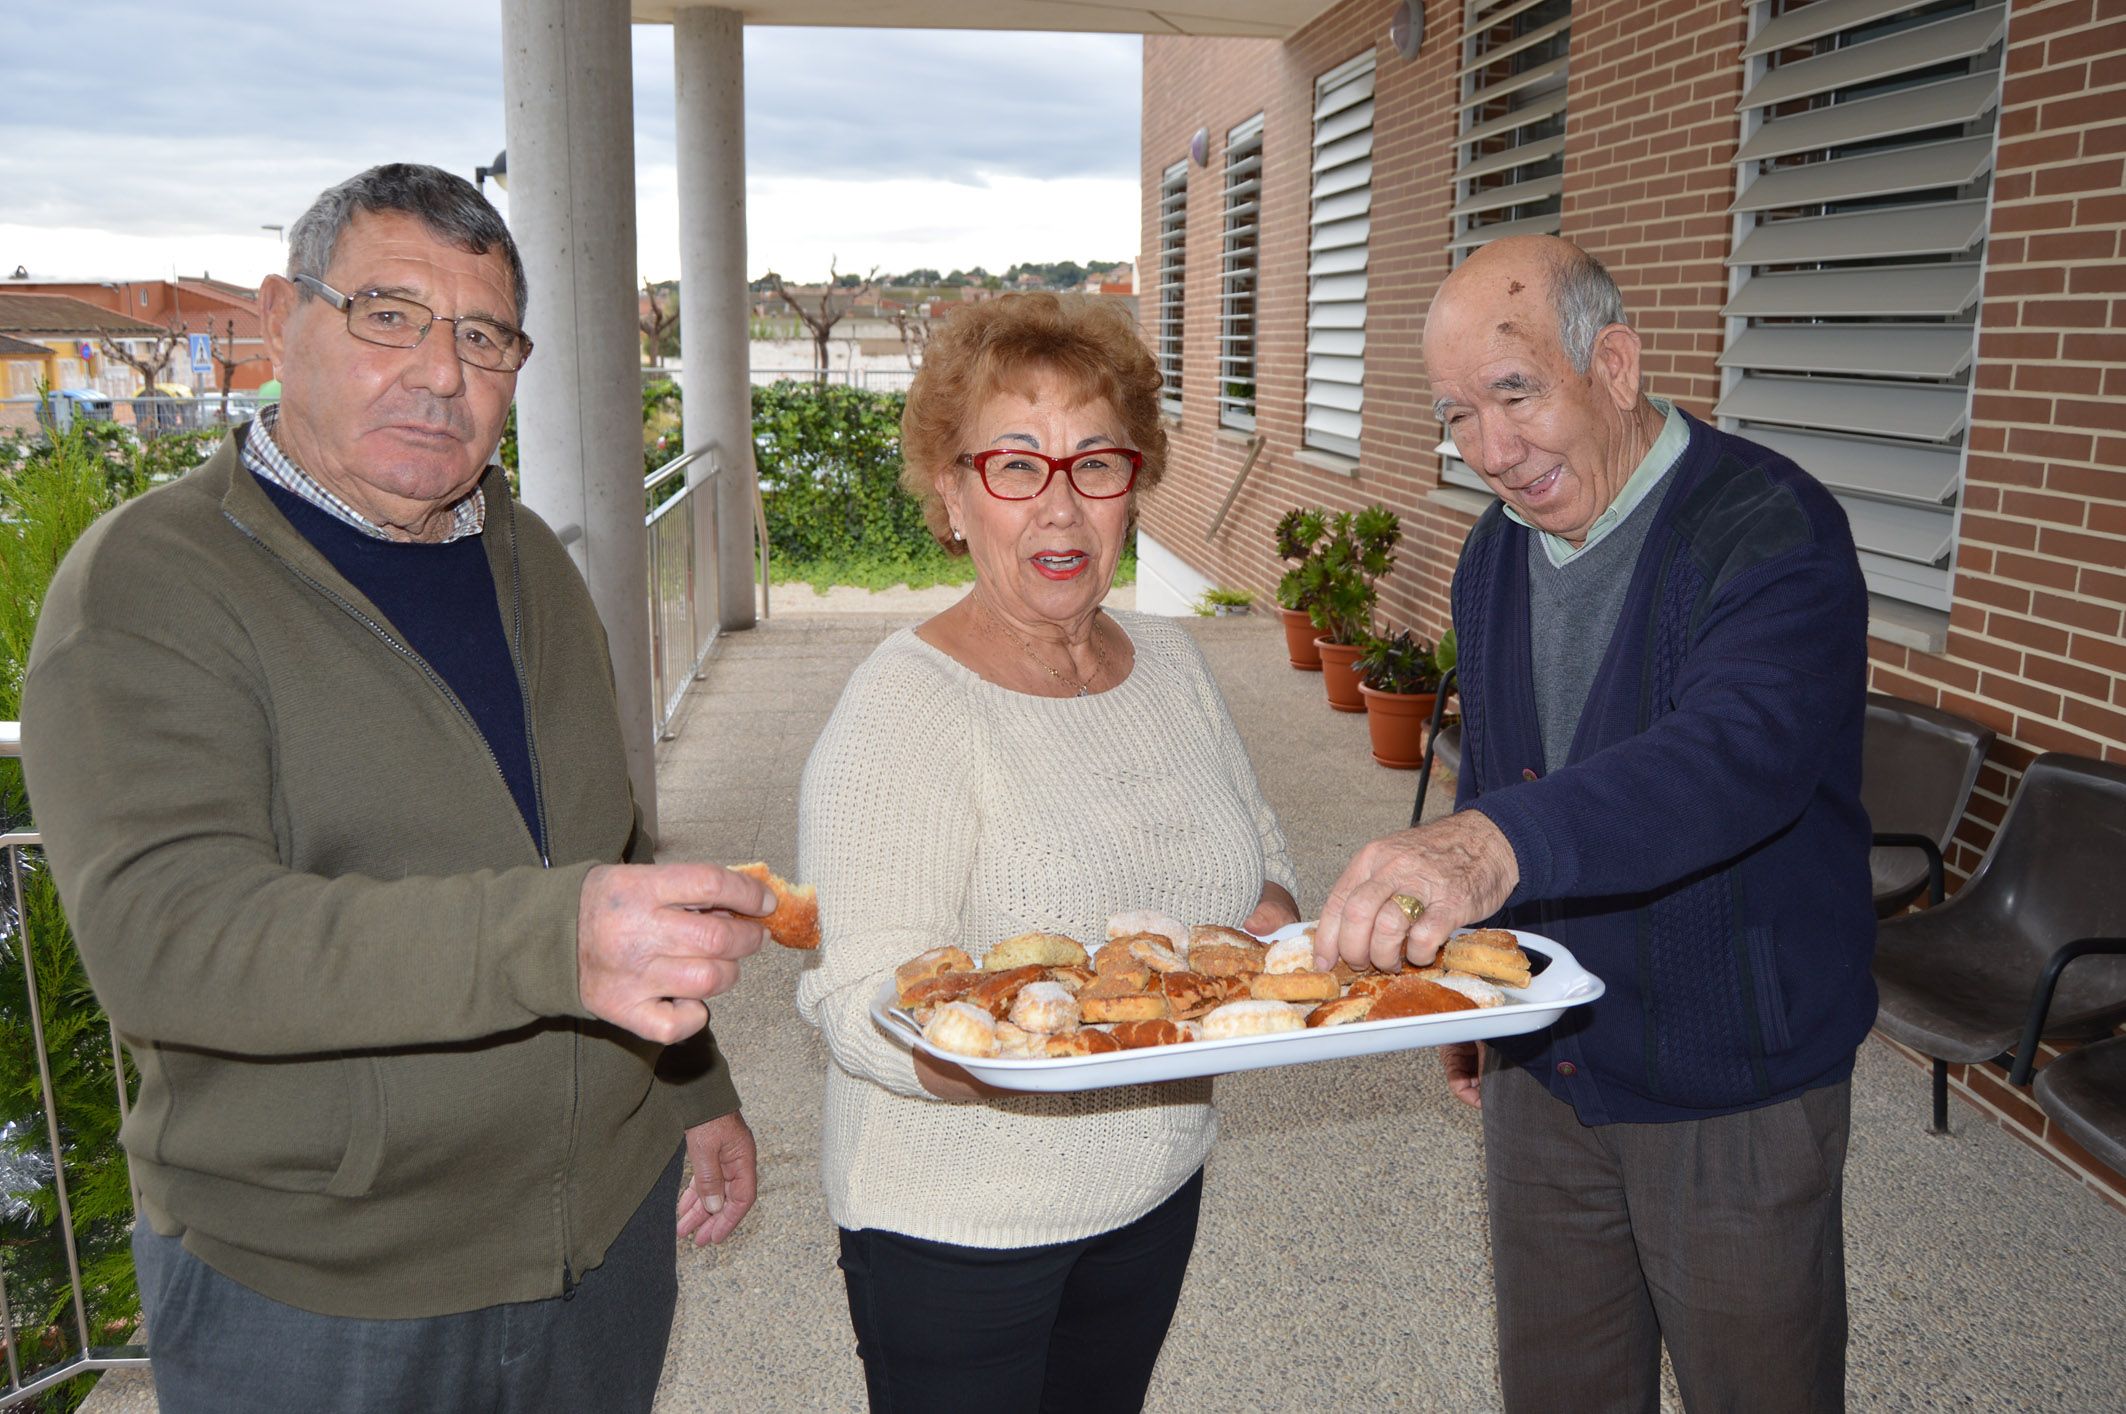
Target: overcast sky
<point>138,139</point>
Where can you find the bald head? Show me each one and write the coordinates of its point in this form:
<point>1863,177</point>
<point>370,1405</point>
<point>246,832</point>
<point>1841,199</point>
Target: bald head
<point>1536,375</point>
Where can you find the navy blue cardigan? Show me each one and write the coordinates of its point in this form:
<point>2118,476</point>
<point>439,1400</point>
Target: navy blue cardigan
<point>1704,849</point>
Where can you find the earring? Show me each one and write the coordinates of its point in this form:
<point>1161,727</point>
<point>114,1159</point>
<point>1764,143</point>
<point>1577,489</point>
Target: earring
<point>956,534</point>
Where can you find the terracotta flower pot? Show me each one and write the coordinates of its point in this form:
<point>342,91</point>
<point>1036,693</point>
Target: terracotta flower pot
<point>1396,722</point>
<point>1299,640</point>
<point>1339,676</point>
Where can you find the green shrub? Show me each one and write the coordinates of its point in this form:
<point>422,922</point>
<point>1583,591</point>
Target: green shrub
<point>51,497</point>
<point>830,460</point>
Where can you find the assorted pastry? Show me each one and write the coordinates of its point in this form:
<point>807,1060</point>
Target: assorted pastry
<point>1155,982</point>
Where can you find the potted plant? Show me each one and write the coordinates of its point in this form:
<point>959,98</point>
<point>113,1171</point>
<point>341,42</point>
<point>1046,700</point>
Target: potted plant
<point>1399,679</point>
<point>1355,549</point>
<point>1298,531</point>
<point>1220,602</point>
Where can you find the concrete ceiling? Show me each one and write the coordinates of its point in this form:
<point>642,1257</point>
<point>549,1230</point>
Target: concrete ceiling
<point>1254,19</point>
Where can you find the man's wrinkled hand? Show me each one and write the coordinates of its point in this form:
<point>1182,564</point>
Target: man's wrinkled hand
<point>1464,1063</point>
<point>1403,894</point>
<point>724,1181</point>
<point>655,941</point>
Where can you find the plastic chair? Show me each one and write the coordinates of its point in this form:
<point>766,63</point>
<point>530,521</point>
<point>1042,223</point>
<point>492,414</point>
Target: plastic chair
<point>1917,768</point>
<point>2084,1090</point>
<point>1959,982</point>
<point>1444,744</point>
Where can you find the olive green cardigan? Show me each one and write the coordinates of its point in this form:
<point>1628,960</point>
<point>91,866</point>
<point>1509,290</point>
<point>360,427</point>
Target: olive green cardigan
<point>303,891</point>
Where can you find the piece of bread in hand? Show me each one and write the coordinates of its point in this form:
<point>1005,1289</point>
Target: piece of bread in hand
<point>795,921</point>
<point>1489,953</point>
<point>1034,950</point>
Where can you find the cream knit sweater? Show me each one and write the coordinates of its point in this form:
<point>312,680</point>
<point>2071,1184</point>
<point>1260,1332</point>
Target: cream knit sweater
<point>940,808</point>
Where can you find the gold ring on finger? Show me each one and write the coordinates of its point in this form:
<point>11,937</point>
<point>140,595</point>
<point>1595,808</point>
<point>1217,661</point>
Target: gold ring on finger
<point>1410,904</point>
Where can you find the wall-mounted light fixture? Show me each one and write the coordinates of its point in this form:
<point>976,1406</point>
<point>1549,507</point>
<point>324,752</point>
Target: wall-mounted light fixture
<point>1406,27</point>
<point>1199,147</point>
<point>499,170</point>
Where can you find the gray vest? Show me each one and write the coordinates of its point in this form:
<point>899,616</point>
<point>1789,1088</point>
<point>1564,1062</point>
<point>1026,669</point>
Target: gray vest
<point>1572,611</point>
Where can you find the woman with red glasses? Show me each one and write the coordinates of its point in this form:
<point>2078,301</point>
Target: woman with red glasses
<point>1025,761</point>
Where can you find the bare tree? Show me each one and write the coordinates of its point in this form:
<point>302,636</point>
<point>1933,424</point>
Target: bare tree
<point>656,322</point>
<point>148,365</point>
<point>915,334</point>
<point>221,352</point>
<point>835,300</point>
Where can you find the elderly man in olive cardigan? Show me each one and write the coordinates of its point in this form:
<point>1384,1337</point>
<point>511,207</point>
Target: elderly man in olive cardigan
<point>324,746</point>
<point>1662,633</point>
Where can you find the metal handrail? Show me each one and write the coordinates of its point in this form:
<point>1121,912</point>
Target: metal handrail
<point>681,590</point>
<point>90,1357</point>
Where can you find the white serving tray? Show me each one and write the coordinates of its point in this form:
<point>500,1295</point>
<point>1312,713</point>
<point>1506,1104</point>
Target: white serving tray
<point>1564,983</point>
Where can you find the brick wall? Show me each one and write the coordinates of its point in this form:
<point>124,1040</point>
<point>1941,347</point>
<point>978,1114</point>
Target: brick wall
<point>2035,644</point>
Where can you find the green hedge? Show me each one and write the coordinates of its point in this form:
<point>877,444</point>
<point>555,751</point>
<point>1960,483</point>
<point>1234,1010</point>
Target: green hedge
<point>50,494</point>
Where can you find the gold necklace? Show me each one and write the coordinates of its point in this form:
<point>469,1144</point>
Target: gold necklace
<point>1082,689</point>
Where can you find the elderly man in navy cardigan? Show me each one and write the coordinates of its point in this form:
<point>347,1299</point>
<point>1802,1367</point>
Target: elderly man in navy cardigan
<point>1663,664</point>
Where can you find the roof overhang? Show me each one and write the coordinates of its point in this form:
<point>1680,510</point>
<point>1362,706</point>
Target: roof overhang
<point>1251,19</point>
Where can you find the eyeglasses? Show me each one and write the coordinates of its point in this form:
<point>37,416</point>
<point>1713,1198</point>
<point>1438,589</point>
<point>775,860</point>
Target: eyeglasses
<point>1010,474</point>
<point>397,323</point>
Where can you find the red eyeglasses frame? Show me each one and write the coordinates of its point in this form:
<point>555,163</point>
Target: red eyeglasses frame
<point>979,461</point>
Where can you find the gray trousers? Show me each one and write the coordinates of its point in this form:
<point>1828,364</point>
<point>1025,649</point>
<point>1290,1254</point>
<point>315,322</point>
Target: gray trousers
<point>1723,1237</point>
<point>218,1347</point>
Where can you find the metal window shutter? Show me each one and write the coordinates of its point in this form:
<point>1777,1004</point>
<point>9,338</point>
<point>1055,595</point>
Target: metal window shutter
<point>1919,411</point>
<point>1931,228</point>
<point>1547,224</point>
<point>1878,59</point>
<point>1869,129</point>
<point>1512,74</point>
<point>1886,350</point>
<point>1339,225</point>
<point>1910,110</point>
<point>1173,280</point>
<point>1528,114</point>
<point>1902,471</point>
<point>1884,291</point>
<point>1238,260</point>
<point>1907,169</point>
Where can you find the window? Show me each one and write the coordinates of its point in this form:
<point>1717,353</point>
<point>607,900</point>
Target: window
<point>1236,275</point>
<point>1173,281</point>
<point>1337,226</point>
<point>1509,155</point>
<point>1865,172</point>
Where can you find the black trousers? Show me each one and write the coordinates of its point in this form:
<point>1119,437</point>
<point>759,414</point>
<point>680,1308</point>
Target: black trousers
<point>218,1347</point>
<point>1722,1238</point>
<point>1071,1328</point>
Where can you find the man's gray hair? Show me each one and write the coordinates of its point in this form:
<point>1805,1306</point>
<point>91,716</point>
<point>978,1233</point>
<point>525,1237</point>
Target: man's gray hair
<point>446,203</point>
<point>1587,301</point>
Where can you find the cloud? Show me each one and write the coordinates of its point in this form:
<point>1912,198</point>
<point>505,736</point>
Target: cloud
<point>249,109</point>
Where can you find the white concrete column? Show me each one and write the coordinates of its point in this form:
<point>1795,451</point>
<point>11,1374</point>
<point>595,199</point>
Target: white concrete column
<point>708,55</point>
<point>568,90</point>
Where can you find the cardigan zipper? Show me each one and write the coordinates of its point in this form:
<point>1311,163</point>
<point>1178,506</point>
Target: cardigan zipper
<point>435,679</point>
<point>531,748</point>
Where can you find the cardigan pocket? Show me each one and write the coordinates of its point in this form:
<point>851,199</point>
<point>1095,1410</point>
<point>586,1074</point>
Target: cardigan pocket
<point>365,1128</point>
<point>1770,996</point>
